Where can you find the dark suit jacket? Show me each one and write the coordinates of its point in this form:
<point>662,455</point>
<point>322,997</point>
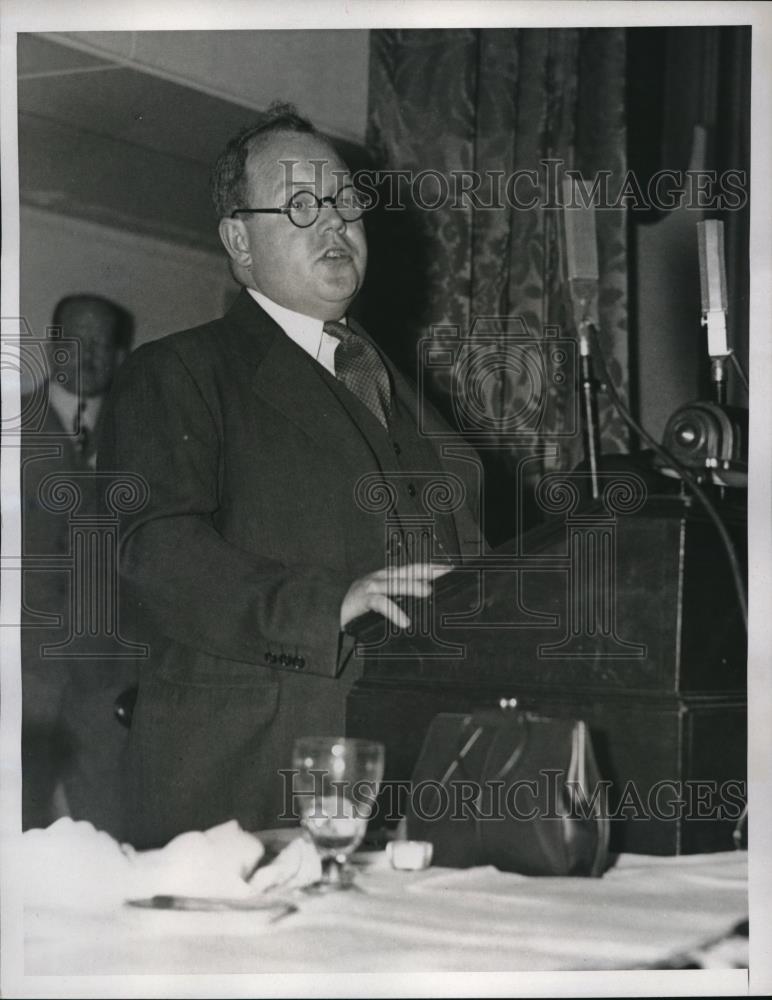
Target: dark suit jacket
<point>46,746</point>
<point>239,561</point>
<point>47,449</point>
<point>69,732</point>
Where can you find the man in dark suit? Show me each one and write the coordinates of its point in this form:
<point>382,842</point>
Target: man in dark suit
<point>71,747</point>
<point>259,436</point>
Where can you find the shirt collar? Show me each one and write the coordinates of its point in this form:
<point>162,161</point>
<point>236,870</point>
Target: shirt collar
<point>306,331</point>
<point>67,406</point>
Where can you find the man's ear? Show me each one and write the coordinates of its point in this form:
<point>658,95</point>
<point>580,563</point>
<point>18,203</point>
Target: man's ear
<point>235,239</point>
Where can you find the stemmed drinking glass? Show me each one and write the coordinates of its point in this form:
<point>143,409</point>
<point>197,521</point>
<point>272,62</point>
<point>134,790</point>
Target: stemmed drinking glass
<point>335,782</point>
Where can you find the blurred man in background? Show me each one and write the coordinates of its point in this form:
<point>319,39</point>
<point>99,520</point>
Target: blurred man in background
<point>72,746</point>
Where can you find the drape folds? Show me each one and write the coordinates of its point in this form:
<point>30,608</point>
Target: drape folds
<point>514,108</point>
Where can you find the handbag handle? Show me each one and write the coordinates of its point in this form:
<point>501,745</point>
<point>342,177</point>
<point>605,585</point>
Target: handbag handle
<point>457,760</point>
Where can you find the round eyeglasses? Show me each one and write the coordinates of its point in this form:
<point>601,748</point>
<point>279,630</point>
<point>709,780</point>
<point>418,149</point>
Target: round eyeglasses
<point>304,207</point>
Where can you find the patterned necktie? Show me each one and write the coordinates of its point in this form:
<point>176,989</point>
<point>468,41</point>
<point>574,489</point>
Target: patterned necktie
<point>359,367</point>
<point>82,435</point>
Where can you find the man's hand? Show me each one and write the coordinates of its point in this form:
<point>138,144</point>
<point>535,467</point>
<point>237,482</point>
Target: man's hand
<point>374,591</point>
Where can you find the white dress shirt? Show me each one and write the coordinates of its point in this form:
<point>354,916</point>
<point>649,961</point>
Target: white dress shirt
<point>306,331</point>
<point>74,413</point>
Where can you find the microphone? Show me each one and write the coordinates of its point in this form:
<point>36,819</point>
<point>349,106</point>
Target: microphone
<point>711,438</point>
<point>581,256</point>
<point>582,273</point>
<point>710,243</point>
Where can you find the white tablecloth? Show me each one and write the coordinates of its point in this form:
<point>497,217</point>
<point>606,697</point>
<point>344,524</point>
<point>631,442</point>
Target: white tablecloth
<point>643,912</point>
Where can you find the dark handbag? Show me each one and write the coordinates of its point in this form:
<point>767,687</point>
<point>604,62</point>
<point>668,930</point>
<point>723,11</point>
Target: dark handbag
<point>511,789</point>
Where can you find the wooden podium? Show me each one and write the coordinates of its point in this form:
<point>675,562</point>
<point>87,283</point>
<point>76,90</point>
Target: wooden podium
<point>623,616</point>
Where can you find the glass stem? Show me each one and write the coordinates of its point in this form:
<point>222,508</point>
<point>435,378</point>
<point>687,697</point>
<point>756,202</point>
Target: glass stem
<point>332,869</point>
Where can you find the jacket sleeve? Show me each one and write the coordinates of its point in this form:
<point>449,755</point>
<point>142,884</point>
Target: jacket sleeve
<point>196,587</point>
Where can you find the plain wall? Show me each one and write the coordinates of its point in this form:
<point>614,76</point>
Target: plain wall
<point>165,286</point>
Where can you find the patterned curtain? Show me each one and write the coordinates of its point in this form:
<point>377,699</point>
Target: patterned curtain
<point>498,104</point>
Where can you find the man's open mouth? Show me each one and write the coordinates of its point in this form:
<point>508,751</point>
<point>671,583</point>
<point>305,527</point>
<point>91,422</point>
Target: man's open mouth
<point>336,253</point>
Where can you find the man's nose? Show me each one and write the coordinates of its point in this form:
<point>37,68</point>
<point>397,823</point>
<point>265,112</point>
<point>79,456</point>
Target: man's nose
<point>330,218</point>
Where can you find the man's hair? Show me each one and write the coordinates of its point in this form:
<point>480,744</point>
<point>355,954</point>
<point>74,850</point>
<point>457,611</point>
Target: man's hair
<point>123,323</point>
<point>228,182</point>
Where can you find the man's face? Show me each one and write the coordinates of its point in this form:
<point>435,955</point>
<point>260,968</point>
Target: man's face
<point>318,270</point>
<point>93,326</point>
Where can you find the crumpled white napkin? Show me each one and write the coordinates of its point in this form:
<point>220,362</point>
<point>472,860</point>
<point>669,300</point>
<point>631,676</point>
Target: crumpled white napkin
<point>71,862</point>
<point>296,866</point>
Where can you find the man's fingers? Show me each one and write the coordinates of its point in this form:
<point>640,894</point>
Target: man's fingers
<point>387,608</point>
<point>414,571</point>
<point>373,592</point>
<point>408,588</point>
<point>399,585</point>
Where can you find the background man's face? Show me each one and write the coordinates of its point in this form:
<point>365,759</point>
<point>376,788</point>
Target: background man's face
<point>93,325</point>
<point>318,270</point>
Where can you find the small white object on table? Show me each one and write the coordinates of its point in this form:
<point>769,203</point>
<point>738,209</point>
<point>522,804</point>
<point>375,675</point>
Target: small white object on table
<point>409,855</point>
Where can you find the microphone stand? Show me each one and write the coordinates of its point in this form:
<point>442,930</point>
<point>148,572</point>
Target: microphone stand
<point>581,253</point>
<point>591,431</point>
<point>718,378</point>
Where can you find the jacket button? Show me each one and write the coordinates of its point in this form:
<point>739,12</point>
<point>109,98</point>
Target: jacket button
<point>396,447</point>
<point>411,490</point>
<point>299,662</point>
<point>284,659</point>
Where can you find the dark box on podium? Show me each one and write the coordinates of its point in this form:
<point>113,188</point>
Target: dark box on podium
<point>625,618</point>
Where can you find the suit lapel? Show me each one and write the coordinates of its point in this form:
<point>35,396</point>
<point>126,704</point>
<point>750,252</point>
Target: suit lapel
<point>290,381</point>
<point>308,396</point>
